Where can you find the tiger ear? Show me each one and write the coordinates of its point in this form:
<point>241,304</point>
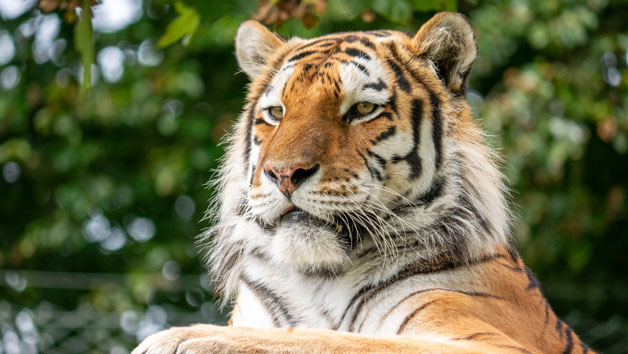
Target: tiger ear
<point>255,44</point>
<point>448,41</point>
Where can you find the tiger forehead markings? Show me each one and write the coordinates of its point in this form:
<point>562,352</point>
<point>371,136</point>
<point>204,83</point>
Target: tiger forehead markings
<point>319,88</point>
<point>360,209</point>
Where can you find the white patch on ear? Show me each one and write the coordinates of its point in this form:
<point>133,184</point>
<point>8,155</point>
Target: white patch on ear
<point>355,83</point>
<point>447,41</point>
<point>255,44</point>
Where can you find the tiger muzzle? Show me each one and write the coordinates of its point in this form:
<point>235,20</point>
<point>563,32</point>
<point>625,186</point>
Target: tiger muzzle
<point>288,179</point>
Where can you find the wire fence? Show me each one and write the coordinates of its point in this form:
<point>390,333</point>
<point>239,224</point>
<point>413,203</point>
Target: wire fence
<point>48,328</point>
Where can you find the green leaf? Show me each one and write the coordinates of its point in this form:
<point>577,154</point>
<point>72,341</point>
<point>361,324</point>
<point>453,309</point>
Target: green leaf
<point>434,5</point>
<point>184,26</point>
<point>84,43</point>
<point>399,11</point>
<point>343,10</point>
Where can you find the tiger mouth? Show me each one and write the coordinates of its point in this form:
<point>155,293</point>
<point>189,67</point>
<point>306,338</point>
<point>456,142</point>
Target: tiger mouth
<point>348,233</point>
<point>293,214</point>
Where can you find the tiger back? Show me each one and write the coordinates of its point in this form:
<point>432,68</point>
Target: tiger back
<point>360,209</point>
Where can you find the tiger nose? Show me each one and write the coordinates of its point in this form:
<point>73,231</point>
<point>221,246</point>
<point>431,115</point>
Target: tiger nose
<point>289,178</point>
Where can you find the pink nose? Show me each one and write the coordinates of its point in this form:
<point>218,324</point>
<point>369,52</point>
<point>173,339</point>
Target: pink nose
<point>289,178</point>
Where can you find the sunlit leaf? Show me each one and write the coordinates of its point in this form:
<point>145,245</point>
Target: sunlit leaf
<point>184,26</point>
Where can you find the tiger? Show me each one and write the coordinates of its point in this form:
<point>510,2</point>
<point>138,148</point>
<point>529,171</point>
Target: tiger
<point>360,208</point>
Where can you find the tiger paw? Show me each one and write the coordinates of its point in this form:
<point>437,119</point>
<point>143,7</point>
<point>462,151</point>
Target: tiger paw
<point>187,340</point>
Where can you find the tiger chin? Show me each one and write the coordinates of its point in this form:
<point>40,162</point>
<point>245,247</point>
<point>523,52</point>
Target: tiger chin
<point>360,210</point>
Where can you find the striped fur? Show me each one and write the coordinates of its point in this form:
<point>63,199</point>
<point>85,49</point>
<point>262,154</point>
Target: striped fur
<point>405,244</point>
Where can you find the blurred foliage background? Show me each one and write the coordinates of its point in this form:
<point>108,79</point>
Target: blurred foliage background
<point>103,190</point>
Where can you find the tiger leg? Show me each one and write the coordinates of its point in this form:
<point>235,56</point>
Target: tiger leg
<point>216,339</point>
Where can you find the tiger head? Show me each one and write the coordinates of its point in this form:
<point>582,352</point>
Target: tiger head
<point>357,140</point>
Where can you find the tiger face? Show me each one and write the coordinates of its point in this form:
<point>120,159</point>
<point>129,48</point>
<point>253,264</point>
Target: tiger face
<point>343,132</point>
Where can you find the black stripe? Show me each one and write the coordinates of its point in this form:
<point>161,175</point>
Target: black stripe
<point>373,171</point>
<point>365,41</point>
<point>513,268</point>
<point>260,121</point>
<point>232,259</point>
<point>410,316</point>
<point>441,263</point>
<point>302,55</point>
<point>533,283</point>
<point>437,124</point>
<point>449,225</point>
<point>327,45</point>
<point>354,52</point>
<point>323,42</point>
<point>585,348</point>
<point>401,79</point>
<point>514,255</point>
<point>379,33</point>
<point>385,135</point>
<point>395,65</point>
<point>259,253</point>
<point>546,312</point>
<point>393,101</point>
<point>475,335</point>
<point>253,168</point>
<point>271,301</point>
<point>437,128</point>
<point>286,67</point>
<point>380,160</point>
<point>249,131</point>
<point>399,247</point>
<point>559,327</point>
<point>353,174</point>
<point>386,115</point>
<point>435,191</point>
<point>569,337</point>
<point>241,207</point>
<point>360,67</point>
<point>428,290</point>
<point>377,86</point>
<point>325,313</point>
<point>283,89</point>
<point>412,158</point>
<point>464,201</point>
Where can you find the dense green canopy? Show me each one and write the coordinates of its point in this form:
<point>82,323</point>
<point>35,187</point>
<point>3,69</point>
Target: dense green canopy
<point>104,189</point>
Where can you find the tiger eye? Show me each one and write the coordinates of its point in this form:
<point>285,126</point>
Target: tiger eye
<point>276,112</point>
<point>365,108</point>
